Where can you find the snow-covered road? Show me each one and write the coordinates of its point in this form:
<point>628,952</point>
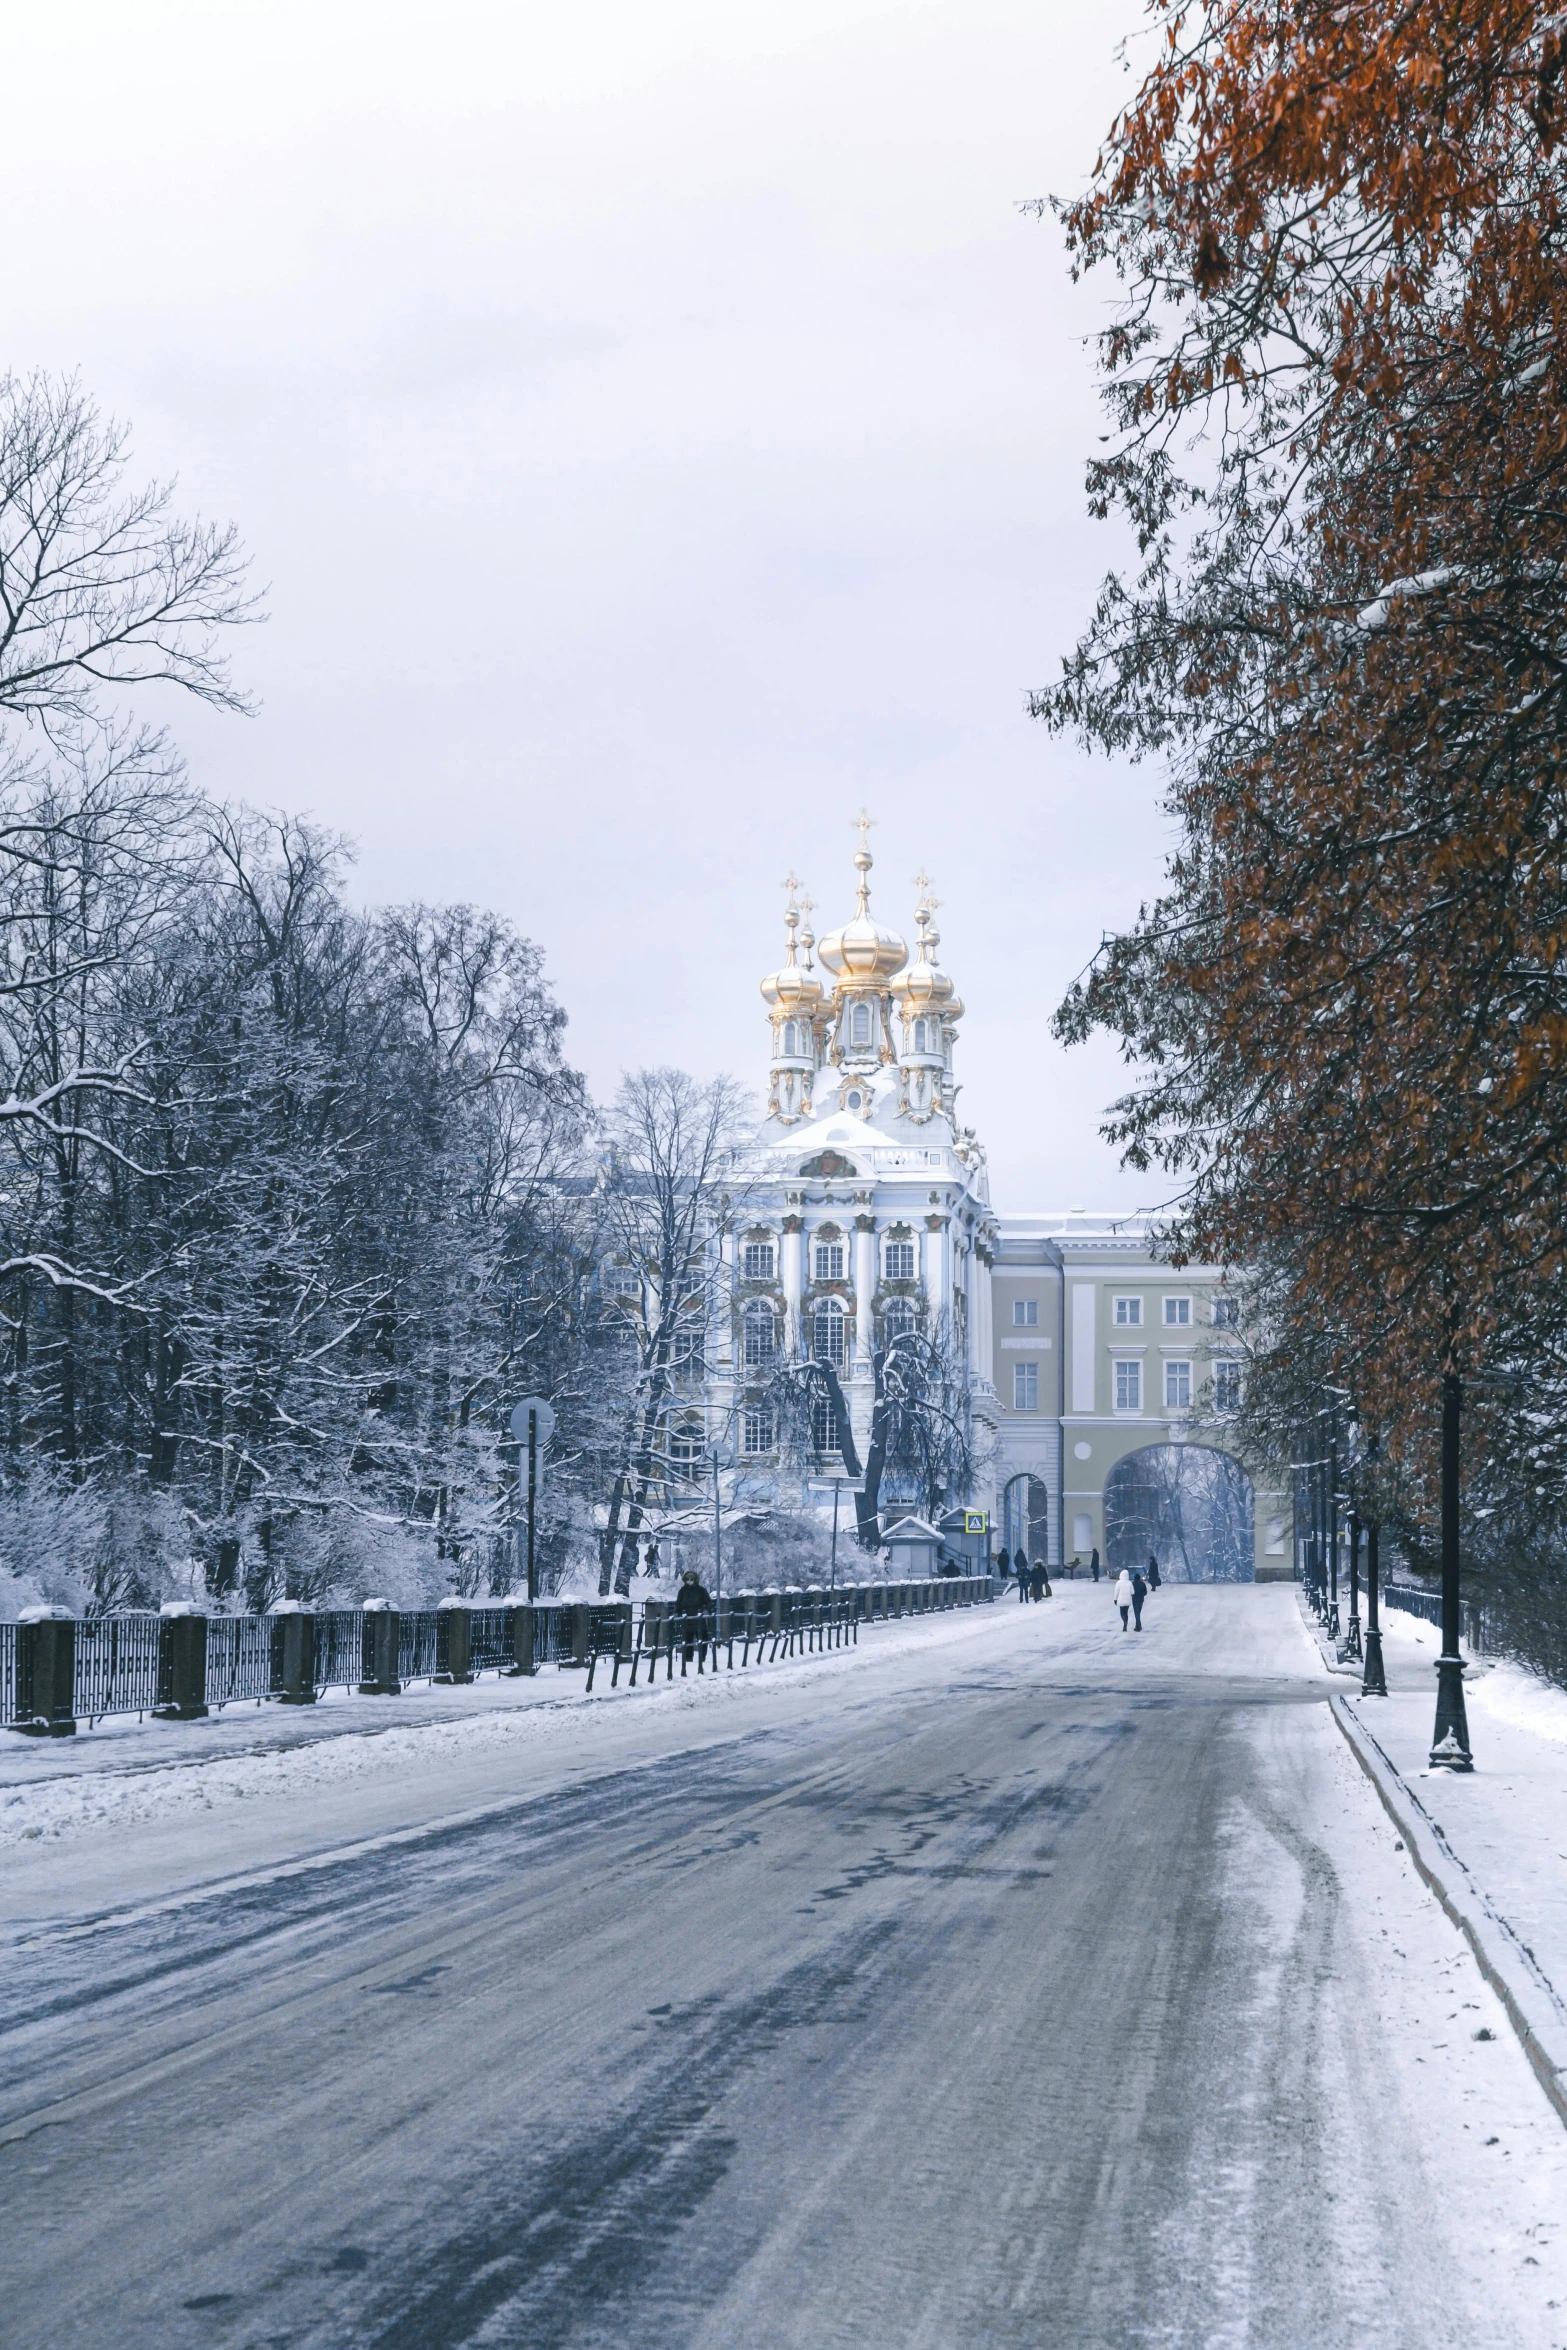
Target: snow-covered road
<point>1013,1981</point>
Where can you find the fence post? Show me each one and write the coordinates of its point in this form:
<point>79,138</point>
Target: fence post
<point>378,1659</point>
<point>581,1618</point>
<point>521,1637</point>
<point>45,1673</point>
<point>182,1662</point>
<point>293,1653</point>
<point>452,1619</point>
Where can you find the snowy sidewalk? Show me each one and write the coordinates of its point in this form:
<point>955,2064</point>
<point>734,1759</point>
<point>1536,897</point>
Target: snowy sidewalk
<point>1494,1840</point>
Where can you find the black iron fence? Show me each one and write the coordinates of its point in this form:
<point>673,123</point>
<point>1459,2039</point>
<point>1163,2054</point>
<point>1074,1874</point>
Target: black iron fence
<point>1472,1616</point>
<point>56,1670</point>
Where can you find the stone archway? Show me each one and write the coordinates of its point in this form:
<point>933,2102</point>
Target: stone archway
<point>1025,1516</point>
<point>1193,1507</point>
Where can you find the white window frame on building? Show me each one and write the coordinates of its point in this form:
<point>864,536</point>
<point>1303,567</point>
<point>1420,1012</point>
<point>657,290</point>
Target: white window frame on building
<point>1025,1387</point>
<point>685,1451</point>
<point>1025,1313</point>
<point>829,1258</point>
<point>1127,1372</point>
<point>824,1435</point>
<point>828,1314</point>
<point>1226,1384</point>
<point>898,1319</point>
<point>898,1260</point>
<point>1128,1313</point>
<point>1178,1313</point>
<point>861,1026</point>
<point>1178,1385</point>
<point>756,1429</point>
<point>759,1335</point>
<point>1226,1313</point>
<point>757,1260</point>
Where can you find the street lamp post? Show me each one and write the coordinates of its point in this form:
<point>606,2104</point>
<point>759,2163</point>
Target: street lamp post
<point>718,1537</point>
<point>1333,1626</point>
<point>1373,1681</point>
<point>1450,1740</point>
<point>1352,1647</point>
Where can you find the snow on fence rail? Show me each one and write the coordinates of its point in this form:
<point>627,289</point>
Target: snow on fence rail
<point>1428,1606</point>
<point>56,1669</point>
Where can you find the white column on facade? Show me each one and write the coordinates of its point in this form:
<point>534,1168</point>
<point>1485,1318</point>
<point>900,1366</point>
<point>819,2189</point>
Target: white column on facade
<point>793,1282</point>
<point>985,1299</point>
<point>973,1292</point>
<point>864,1286</point>
<point>721,1316</point>
<point>1084,1346</point>
<point>938,1281</point>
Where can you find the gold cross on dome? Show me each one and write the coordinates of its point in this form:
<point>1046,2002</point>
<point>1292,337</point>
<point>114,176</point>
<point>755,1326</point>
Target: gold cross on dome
<point>862,825</point>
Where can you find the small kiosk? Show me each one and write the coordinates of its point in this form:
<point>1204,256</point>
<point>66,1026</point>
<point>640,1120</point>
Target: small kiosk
<point>913,1549</point>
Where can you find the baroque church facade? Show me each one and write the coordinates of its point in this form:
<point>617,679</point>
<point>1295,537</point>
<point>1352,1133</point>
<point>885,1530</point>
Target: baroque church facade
<point>1098,1382</point>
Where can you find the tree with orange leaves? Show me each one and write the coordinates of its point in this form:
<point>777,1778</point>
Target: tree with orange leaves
<point>1339,437</point>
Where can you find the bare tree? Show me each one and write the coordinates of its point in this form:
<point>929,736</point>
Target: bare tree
<point>921,1433</point>
<point>101,585</point>
<point>671,1188</point>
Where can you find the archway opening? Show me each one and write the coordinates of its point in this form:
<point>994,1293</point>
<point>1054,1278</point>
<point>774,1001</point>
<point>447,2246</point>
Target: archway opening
<point>1025,1517</point>
<point>1192,1508</point>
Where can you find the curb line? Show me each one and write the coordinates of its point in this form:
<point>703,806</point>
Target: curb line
<point>1531,2004</point>
<point>1322,1644</point>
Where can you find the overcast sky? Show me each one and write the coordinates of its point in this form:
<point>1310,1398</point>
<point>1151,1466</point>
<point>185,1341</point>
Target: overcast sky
<point>660,432</point>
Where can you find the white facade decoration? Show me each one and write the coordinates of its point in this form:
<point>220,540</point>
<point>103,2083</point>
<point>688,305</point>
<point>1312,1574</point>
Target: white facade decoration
<point>864,1204</point>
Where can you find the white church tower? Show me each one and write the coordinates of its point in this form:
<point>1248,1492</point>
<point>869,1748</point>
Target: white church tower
<point>867,1205</point>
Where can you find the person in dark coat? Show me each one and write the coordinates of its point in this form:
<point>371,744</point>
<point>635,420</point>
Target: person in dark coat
<point>1153,1572</point>
<point>650,1562</point>
<point>1039,1580</point>
<point>1093,1561</point>
<point>694,1608</point>
<point>1139,1594</point>
<point>1021,1565</point>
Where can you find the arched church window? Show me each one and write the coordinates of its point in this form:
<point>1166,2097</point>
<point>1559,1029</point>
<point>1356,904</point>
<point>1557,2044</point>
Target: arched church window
<point>922,1036</point>
<point>898,1320</point>
<point>829,1333</point>
<point>685,1452</point>
<point>860,1024</point>
<point>760,1335</point>
<point>791,1037</point>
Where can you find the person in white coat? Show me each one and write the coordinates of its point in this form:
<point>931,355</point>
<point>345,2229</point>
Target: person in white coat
<point>1123,1597</point>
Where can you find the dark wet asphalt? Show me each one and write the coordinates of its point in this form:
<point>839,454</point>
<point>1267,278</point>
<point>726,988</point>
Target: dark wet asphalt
<point>936,2022</point>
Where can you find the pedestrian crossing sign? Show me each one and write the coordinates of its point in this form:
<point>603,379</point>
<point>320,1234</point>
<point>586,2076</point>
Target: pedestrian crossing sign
<point>976,1521</point>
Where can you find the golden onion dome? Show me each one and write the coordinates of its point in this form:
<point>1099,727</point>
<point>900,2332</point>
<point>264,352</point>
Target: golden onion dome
<point>862,954</point>
<point>795,992</point>
<point>923,988</point>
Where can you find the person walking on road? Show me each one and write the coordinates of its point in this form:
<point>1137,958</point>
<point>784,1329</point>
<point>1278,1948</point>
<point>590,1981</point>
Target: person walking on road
<point>1139,1594</point>
<point>1039,1581</point>
<point>1021,1564</point>
<point>1093,1561</point>
<point>1123,1597</point>
<point>694,1607</point>
<point>1153,1572</point>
